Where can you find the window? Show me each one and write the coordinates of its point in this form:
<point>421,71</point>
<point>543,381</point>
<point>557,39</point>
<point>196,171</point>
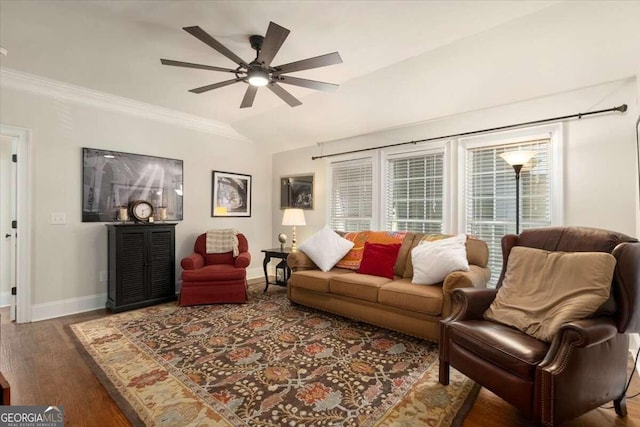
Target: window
<point>414,190</point>
<point>351,195</point>
<point>417,189</point>
<point>490,193</point>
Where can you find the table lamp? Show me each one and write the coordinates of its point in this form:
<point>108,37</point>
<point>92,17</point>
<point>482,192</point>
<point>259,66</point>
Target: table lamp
<point>293,217</point>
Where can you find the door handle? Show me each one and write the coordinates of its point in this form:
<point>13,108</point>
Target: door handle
<point>7,235</point>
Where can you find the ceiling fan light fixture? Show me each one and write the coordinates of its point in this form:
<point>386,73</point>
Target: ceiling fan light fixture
<point>258,78</point>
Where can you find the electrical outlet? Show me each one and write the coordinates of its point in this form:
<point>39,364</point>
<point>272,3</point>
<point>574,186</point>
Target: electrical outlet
<point>57,218</point>
<point>103,276</point>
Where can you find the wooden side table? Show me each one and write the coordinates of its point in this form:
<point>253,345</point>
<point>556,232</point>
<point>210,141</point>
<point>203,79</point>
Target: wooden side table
<point>282,265</point>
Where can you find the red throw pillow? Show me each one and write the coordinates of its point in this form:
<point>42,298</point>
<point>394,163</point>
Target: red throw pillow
<point>379,259</point>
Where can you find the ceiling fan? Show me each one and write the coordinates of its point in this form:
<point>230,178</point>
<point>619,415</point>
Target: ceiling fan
<point>259,72</point>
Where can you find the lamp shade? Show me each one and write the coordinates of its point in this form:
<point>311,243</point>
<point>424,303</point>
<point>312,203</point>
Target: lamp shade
<point>293,217</point>
<point>517,157</point>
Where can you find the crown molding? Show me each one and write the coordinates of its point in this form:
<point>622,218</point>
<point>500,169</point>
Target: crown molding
<point>19,80</point>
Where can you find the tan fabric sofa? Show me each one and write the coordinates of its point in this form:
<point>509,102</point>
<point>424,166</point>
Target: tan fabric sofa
<point>394,303</point>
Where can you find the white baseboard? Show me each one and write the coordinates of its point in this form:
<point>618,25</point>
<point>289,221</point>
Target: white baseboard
<point>256,273</point>
<point>49,310</point>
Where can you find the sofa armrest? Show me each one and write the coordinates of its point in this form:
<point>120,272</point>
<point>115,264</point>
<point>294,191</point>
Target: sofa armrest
<point>300,261</point>
<point>471,303</point>
<point>243,260</point>
<point>192,262</point>
<point>476,277</point>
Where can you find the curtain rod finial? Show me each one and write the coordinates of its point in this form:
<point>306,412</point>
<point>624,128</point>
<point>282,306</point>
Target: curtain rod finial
<point>622,108</point>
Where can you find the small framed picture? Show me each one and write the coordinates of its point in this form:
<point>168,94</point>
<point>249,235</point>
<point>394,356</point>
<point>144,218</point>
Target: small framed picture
<point>296,191</point>
<point>230,194</point>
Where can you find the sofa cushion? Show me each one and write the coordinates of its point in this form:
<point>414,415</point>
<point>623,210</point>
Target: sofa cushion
<point>379,259</point>
<point>315,280</point>
<point>326,248</point>
<point>477,252</point>
<point>360,286</point>
<point>353,258</point>
<point>403,253</point>
<point>542,290</point>
<point>434,260</point>
<point>403,294</point>
<point>419,238</point>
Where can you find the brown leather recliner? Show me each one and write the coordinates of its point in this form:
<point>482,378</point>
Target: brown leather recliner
<point>583,367</point>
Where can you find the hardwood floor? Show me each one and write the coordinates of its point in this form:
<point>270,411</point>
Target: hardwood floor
<point>43,367</point>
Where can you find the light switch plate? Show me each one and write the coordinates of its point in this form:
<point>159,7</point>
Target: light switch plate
<point>57,218</point>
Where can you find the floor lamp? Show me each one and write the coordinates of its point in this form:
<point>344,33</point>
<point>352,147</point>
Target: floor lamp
<point>293,217</point>
<point>517,159</point>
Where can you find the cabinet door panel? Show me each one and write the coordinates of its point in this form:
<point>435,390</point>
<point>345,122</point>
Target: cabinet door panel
<point>132,268</point>
<point>161,261</point>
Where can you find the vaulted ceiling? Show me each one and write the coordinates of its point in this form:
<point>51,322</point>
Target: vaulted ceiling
<point>404,62</point>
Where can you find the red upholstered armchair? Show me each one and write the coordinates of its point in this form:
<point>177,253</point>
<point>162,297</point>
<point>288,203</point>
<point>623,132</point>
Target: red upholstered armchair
<point>585,364</point>
<point>214,278</point>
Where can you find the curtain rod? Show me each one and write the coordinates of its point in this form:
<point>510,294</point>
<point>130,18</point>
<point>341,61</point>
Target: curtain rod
<point>621,108</point>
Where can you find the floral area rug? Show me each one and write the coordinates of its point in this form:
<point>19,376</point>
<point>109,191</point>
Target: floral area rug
<point>267,363</point>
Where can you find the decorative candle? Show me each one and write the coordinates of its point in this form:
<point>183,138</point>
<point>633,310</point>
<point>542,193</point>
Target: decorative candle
<point>150,219</point>
<point>162,213</point>
<point>124,214</point>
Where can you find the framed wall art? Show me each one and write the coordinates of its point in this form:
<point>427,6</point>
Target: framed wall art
<point>296,191</point>
<point>112,180</point>
<point>230,194</point>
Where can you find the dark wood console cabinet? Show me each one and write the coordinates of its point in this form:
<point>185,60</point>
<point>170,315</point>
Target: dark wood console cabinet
<point>141,265</point>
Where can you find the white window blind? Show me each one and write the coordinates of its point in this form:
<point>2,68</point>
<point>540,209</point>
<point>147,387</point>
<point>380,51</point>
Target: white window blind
<point>351,195</point>
<point>414,189</point>
<point>490,206</point>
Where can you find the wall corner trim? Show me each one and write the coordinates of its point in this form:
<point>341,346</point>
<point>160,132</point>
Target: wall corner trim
<point>19,80</point>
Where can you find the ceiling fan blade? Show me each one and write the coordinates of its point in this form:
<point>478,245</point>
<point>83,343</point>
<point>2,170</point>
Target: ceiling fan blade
<point>215,86</point>
<point>201,35</point>
<point>276,35</point>
<point>284,95</point>
<point>249,96</point>
<point>191,65</point>
<point>309,63</point>
<point>311,84</point>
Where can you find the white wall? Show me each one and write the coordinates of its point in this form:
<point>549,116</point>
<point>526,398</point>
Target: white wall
<point>5,219</point>
<point>599,160</point>
<point>298,162</point>
<point>68,258</point>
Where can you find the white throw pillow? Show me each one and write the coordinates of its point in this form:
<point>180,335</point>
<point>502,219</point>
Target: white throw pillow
<point>326,248</point>
<point>433,261</point>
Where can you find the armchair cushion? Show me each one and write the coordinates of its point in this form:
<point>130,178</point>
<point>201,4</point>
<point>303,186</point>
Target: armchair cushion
<point>220,272</point>
<point>507,347</point>
<point>542,290</point>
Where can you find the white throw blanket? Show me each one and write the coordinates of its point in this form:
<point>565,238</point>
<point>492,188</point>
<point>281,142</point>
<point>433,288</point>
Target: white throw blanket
<point>221,241</point>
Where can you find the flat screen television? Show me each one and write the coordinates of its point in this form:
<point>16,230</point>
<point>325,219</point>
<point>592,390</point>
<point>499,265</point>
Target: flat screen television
<point>112,180</point>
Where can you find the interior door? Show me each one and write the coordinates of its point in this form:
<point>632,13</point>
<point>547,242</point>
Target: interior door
<point>13,235</point>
